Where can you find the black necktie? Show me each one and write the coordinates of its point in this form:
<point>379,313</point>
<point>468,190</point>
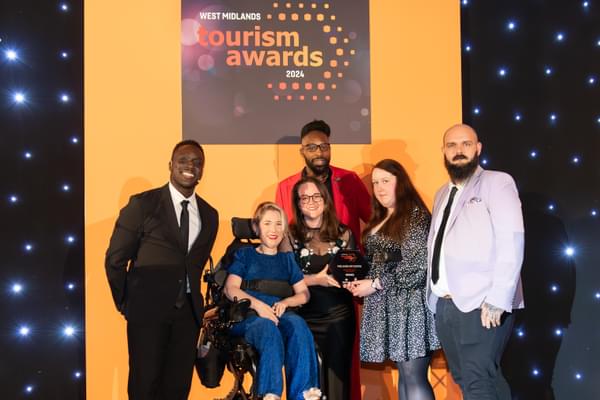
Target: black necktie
<point>184,230</point>
<point>439,237</point>
<point>184,224</point>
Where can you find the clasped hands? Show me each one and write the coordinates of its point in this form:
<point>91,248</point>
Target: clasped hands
<point>270,312</point>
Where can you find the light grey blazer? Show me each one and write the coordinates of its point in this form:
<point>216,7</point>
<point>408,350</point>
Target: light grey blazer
<point>483,244</point>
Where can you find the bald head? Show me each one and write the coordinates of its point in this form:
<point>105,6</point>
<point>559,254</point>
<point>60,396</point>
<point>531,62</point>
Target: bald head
<point>462,130</point>
<point>461,151</point>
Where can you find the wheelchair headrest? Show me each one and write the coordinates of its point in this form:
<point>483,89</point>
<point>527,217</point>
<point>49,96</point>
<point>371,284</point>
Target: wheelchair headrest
<point>242,228</point>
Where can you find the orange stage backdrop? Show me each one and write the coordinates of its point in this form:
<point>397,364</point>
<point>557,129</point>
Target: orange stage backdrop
<point>133,119</point>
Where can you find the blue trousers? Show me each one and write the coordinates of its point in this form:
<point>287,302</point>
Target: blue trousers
<point>289,344</point>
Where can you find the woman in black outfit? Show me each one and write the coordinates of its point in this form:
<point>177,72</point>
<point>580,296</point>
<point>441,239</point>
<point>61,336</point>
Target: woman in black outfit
<point>315,236</point>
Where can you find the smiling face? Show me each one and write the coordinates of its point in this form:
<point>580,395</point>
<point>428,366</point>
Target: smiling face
<point>311,203</point>
<point>271,229</point>
<point>316,151</point>
<point>384,187</point>
<point>186,168</point>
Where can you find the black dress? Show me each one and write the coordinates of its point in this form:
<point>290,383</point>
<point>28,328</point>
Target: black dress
<point>331,318</point>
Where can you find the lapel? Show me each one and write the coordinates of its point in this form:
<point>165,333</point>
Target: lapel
<point>466,194</point>
<point>205,222</point>
<point>437,207</point>
<point>171,219</point>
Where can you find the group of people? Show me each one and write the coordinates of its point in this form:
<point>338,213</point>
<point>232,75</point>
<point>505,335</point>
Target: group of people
<point>448,279</point>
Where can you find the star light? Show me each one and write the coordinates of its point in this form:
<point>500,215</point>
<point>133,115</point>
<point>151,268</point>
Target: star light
<point>554,288</point>
<point>551,207</point>
<point>27,155</point>
<point>13,198</point>
<point>591,80</point>
<point>29,389</point>
<point>594,213</point>
<point>77,374</point>
<point>64,7</point>
<point>517,117</point>
<point>64,54</point>
<point>575,159</point>
<point>535,372</point>
<point>28,247</point>
<point>578,376</point>
<point>585,4</point>
<point>467,47</point>
<point>465,2</point>
<point>553,117</point>
<point>70,286</point>
<point>484,161</point>
<point>74,139</point>
<point>558,332</point>
<point>548,71</point>
<point>68,331</point>
<point>19,97</point>
<point>11,55</point>
<point>66,187</point>
<point>476,110</point>
<point>520,333</point>
<point>70,239</point>
<point>560,36</point>
<point>569,251</point>
<point>511,25</point>
<point>16,288</point>
<point>502,71</point>
<point>533,154</point>
<point>65,98</point>
<point>24,330</point>
<point>597,295</point>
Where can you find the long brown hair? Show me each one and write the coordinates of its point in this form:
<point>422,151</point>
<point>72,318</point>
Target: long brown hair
<point>407,199</point>
<point>330,226</point>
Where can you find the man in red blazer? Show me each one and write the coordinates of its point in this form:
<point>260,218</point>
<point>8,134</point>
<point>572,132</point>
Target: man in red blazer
<point>351,199</point>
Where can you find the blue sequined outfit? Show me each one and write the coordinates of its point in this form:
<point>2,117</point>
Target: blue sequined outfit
<point>288,344</point>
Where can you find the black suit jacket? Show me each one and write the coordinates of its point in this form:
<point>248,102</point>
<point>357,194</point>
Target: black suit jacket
<point>146,261</point>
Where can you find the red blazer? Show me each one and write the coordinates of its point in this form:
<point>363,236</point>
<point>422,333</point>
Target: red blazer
<point>351,199</point>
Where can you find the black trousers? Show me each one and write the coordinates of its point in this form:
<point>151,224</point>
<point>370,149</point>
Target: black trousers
<point>162,355</point>
<point>473,352</point>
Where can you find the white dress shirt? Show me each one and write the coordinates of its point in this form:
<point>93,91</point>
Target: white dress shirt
<point>440,288</point>
<point>195,222</point>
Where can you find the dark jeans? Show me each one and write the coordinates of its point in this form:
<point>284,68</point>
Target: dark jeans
<point>473,352</point>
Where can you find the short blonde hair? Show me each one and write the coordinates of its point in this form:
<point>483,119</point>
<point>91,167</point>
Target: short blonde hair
<point>260,212</point>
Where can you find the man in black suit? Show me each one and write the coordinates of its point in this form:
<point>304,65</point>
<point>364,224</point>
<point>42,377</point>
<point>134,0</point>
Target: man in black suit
<point>161,241</point>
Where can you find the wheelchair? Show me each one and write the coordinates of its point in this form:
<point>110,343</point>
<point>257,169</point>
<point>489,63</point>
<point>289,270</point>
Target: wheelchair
<point>217,348</point>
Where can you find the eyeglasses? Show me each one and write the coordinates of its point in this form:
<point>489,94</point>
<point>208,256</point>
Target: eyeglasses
<point>311,148</point>
<point>316,198</point>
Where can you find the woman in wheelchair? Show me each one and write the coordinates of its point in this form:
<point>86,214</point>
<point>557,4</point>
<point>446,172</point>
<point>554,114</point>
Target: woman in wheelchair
<point>281,337</point>
<point>315,236</point>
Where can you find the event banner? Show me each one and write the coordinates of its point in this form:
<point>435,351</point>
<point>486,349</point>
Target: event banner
<point>256,71</point>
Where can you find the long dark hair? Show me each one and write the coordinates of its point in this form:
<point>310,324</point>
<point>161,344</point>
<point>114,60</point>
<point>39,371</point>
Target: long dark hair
<point>330,226</point>
<point>407,200</point>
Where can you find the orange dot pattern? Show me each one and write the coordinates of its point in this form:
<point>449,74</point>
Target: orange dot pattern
<point>338,56</point>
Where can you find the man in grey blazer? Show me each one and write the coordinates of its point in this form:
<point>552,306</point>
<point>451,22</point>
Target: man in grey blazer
<point>475,252</point>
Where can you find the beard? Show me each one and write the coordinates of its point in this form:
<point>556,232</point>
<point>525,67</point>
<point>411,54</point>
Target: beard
<point>459,173</point>
<point>317,170</point>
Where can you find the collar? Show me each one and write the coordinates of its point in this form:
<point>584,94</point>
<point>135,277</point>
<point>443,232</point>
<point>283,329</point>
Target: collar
<point>177,197</point>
